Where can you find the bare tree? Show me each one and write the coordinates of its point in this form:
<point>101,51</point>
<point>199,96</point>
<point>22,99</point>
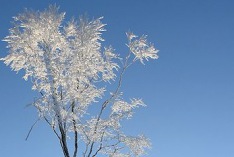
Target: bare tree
<point>68,66</point>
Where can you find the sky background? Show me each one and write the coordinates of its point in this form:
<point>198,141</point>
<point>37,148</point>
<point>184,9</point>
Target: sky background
<point>189,90</point>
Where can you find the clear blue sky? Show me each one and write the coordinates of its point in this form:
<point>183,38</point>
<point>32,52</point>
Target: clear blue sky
<point>189,90</point>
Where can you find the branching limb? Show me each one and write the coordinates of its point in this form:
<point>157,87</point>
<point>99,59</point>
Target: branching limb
<point>100,147</point>
<point>125,66</point>
<point>63,140</point>
<point>86,149</point>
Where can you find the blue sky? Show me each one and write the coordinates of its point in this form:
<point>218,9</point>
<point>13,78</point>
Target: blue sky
<point>189,90</point>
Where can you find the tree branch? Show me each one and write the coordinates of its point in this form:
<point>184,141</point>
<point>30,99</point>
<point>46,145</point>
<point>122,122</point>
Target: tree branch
<point>31,129</point>
<point>126,65</point>
<point>75,132</point>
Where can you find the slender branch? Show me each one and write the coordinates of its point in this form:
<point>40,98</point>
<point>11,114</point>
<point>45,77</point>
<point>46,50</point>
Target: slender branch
<point>100,147</point>
<point>86,149</point>
<point>75,132</point>
<point>91,149</point>
<point>52,126</point>
<point>31,129</point>
<point>125,66</point>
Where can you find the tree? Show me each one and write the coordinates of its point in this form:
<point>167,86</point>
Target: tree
<point>68,66</point>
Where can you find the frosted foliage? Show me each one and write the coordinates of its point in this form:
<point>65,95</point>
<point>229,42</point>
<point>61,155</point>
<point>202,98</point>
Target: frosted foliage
<point>137,144</point>
<point>68,66</point>
<point>141,48</point>
<point>123,108</point>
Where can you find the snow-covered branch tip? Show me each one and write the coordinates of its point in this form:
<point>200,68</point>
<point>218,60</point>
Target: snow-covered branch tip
<point>141,48</point>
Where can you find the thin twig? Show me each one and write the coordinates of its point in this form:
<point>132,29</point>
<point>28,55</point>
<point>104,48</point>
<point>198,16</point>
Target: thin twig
<point>31,129</point>
<point>52,126</point>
